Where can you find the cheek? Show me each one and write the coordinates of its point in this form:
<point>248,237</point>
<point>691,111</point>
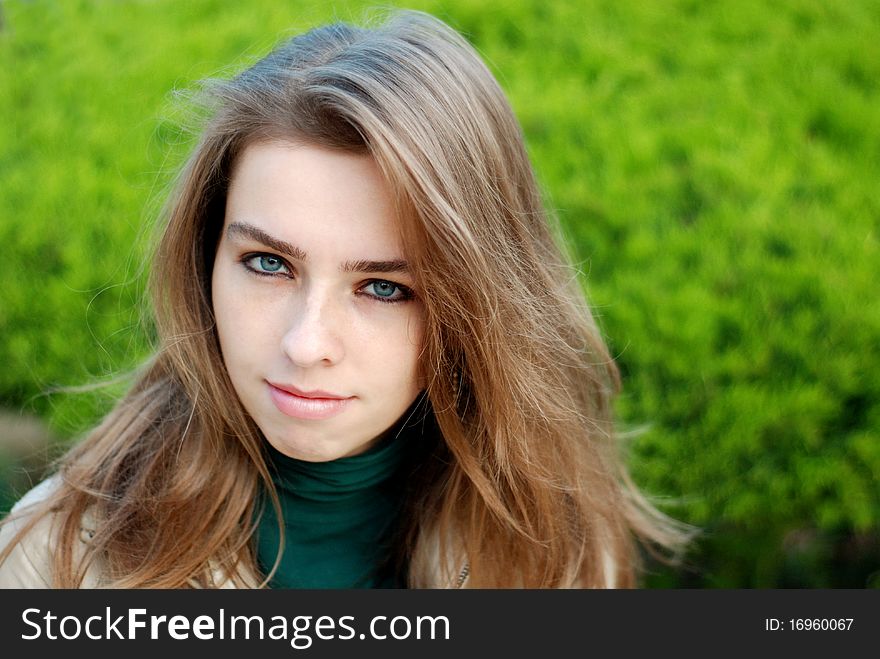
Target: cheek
<point>387,352</point>
<point>225,312</point>
<point>240,325</point>
<point>220,296</point>
<point>411,347</point>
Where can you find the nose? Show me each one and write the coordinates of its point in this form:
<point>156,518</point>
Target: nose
<point>314,336</point>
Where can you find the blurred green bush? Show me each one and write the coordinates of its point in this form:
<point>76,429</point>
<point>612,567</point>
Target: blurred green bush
<point>714,164</point>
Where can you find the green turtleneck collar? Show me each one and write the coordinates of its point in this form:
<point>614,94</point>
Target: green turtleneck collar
<point>340,517</point>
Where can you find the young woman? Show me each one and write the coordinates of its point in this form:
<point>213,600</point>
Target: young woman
<point>375,365</point>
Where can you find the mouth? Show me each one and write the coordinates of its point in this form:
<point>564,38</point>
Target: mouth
<point>317,393</point>
<point>300,404</point>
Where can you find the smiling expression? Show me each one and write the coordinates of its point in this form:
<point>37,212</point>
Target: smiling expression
<point>317,315</point>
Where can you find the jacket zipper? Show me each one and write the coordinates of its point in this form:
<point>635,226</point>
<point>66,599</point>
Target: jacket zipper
<point>463,575</point>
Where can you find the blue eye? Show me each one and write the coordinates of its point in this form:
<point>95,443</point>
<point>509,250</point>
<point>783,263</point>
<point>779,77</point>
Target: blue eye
<point>387,291</point>
<point>266,264</point>
<point>383,288</point>
<point>271,263</point>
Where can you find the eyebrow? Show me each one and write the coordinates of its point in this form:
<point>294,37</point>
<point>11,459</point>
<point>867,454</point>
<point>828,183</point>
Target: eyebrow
<point>358,265</point>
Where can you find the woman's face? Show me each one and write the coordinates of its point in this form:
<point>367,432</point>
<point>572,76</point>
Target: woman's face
<point>318,321</point>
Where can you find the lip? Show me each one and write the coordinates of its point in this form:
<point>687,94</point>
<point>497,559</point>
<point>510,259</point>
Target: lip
<point>317,393</point>
<point>301,404</point>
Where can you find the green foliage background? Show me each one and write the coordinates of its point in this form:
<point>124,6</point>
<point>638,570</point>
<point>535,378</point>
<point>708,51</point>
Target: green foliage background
<point>715,165</point>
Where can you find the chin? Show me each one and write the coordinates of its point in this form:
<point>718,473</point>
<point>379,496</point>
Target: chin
<point>317,450</point>
<point>309,453</point>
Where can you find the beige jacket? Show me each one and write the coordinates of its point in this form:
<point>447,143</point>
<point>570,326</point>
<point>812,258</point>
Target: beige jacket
<point>29,563</point>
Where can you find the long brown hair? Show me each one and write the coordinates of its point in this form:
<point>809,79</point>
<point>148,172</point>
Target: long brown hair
<point>527,487</point>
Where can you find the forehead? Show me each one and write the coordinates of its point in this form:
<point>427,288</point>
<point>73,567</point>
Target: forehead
<point>308,194</point>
